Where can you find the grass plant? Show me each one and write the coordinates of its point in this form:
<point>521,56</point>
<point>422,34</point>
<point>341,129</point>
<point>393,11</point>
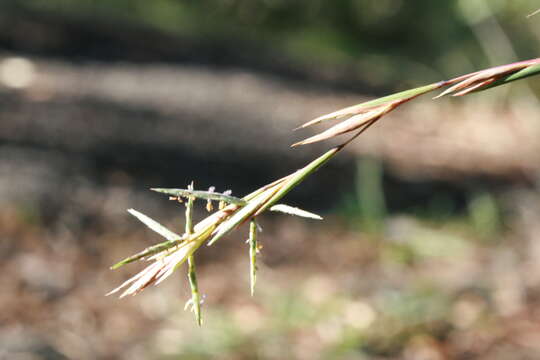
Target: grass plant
<point>167,256</point>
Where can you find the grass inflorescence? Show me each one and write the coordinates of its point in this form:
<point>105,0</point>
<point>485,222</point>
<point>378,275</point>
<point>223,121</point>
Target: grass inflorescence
<point>165,257</point>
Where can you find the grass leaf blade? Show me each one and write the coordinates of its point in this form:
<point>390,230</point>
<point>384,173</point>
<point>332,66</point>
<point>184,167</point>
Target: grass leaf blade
<point>155,226</point>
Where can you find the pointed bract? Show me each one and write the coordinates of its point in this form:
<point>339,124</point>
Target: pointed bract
<point>349,111</point>
<point>286,209</point>
<point>154,225</point>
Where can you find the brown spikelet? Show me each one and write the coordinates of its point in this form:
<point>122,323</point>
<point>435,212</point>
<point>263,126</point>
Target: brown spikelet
<point>482,79</point>
<point>366,116</point>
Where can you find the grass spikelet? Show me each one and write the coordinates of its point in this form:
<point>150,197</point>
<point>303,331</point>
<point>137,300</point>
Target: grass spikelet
<point>365,114</point>
<point>164,263</point>
<point>488,78</point>
<point>349,125</point>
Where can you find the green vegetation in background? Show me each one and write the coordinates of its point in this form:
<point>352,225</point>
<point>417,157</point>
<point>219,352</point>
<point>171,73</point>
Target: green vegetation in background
<point>354,34</point>
<point>439,229</point>
<point>485,215</point>
<point>370,192</point>
<point>339,324</point>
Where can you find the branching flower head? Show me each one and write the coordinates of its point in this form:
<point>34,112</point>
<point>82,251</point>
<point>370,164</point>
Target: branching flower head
<point>167,256</point>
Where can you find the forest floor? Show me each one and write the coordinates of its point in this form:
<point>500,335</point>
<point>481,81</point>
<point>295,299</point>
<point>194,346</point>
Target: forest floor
<point>83,141</point>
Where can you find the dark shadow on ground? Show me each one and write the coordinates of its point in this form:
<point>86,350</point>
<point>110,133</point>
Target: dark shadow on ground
<point>84,39</point>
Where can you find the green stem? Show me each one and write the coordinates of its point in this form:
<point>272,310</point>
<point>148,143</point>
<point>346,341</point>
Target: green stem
<point>195,296</point>
<point>411,93</point>
<point>298,177</point>
<point>189,212</point>
<point>253,245</point>
<point>192,276</point>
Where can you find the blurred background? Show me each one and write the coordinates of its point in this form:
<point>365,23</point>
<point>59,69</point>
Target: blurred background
<point>429,249</point>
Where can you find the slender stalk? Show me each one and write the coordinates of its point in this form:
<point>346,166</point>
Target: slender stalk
<point>195,295</point>
<point>189,212</point>
<point>253,249</point>
<point>411,93</point>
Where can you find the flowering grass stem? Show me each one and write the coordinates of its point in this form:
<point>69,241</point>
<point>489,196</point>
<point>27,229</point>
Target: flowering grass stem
<point>167,256</point>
